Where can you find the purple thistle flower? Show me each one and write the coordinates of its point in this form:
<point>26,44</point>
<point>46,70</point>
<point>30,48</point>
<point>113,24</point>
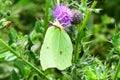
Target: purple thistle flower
<point>63,14</point>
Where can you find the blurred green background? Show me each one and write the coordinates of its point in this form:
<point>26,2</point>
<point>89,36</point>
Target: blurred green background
<point>23,13</point>
<point>100,29</point>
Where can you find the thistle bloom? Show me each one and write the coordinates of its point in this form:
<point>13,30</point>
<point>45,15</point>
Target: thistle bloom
<point>77,17</point>
<point>63,14</point>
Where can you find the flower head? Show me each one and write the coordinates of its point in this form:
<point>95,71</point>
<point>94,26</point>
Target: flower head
<point>77,17</point>
<point>63,14</point>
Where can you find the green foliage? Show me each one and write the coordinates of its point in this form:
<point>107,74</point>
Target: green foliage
<point>116,40</point>
<point>25,36</point>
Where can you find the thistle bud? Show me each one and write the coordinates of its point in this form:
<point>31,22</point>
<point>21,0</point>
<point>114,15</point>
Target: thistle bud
<point>77,17</point>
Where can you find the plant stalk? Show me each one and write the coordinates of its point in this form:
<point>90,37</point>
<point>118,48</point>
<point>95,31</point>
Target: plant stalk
<point>117,71</point>
<point>80,29</point>
<point>46,14</point>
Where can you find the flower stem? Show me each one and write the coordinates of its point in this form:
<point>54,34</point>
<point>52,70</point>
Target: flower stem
<point>80,29</point>
<point>24,60</point>
<point>118,69</point>
<point>46,14</point>
<point>87,17</point>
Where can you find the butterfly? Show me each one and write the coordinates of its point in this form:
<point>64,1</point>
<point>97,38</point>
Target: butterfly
<point>56,50</point>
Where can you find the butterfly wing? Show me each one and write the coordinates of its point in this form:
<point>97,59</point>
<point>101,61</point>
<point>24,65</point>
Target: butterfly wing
<point>56,51</point>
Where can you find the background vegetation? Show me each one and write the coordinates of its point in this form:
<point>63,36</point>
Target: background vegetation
<point>23,24</point>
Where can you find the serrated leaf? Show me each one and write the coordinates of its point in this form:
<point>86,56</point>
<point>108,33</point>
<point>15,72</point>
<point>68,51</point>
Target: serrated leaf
<point>56,51</point>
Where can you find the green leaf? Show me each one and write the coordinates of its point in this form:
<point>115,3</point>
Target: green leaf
<point>118,75</point>
<point>7,56</point>
<point>56,51</point>
<point>34,37</point>
<point>66,77</point>
<point>12,36</point>
<point>39,26</point>
<point>116,41</point>
<point>20,66</point>
<point>14,75</point>
<point>3,55</point>
<point>22,2</point>
<point>5,71</point>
